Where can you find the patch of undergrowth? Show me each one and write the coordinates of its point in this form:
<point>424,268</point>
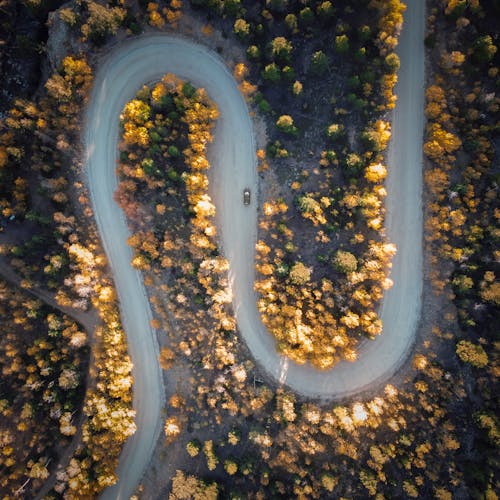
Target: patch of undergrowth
<point>163,162</point>
<point>324,74</point>
<point>38,183</point>
<point>43,361</point>
<point>47,239</point>
<point>462,212</point>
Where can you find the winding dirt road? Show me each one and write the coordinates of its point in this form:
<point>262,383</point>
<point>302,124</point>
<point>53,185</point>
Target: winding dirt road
<point>232,156</point>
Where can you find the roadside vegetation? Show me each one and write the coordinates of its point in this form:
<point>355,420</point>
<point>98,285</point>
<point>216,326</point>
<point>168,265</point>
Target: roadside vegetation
<point>47,241</point>
<point>43,358</point>
<point>462,171</point>
<point>432,433</point>
<point>229,431</point>
<point>322,259</point>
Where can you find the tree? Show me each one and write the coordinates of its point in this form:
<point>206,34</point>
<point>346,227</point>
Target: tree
<point>297,88</point>
<point>230,466</point>
<point>335,130</point>
<point>455,8</point>
<point>306,16</point>
<point>253,52</point>
<point>193,448</point>
<point>392,62</point>
<point>233,8</point>
<point>241,28</point>
<point>377,136</point>
<point>300,274</point>
<point>329,482</point>
<point>354,161</point>
<point>483,49</point>
<point>285,124</point>
<point>319,63</point>
<point>312,209</point>
<point>187,487</point>
<point>172,428</point>
<point>325,11</point>
<point>440,142</point>
<point>341,44</point>
<point>102,21</point>
<point>212,459</point>
<point>281,49</point>
<point>68,16</point>
<point>39,471</point>
<point>364,33</point>
<point>473,354</point>
<point>288,73</point>
<point>490,289</point>
<point>271,73</point>
<point>68,379</point>
<point>345,262</point>
<point>166,358</point>
<point>155,18</point>
<point>71,82</point>
<point>376,173</point>
<point>291,22</point>
<point>136,111</point>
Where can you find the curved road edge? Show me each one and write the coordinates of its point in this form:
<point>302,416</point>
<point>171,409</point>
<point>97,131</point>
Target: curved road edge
<point>401,307</point>
<point>120,75</point>
<point>232,156</point>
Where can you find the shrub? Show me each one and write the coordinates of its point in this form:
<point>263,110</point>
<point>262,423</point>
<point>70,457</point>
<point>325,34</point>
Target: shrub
<point>300,274</point>
<point>285,124</point>
<point>345,262</point>
<point>471,353</point>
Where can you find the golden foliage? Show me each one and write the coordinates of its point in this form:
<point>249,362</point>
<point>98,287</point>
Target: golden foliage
<point>300,274</point>
<point>187,487</point>
<point>473,354</point>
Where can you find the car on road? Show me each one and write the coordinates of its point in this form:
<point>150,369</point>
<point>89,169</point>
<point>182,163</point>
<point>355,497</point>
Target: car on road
<point>246,196</point>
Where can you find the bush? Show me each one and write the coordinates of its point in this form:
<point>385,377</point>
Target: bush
<point>241,28</point>
<point>345,262</point>
<point>300,274</point>
<point>319,63</point>
<point>341,44</point>
<point>392,62</point>
<point>271,73</point>
<point>471,353</point>
<point>334,131</point>
<point>285,124</point>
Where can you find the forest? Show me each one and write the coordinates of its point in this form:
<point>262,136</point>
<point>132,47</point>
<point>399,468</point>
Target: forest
<point>319,79</point>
